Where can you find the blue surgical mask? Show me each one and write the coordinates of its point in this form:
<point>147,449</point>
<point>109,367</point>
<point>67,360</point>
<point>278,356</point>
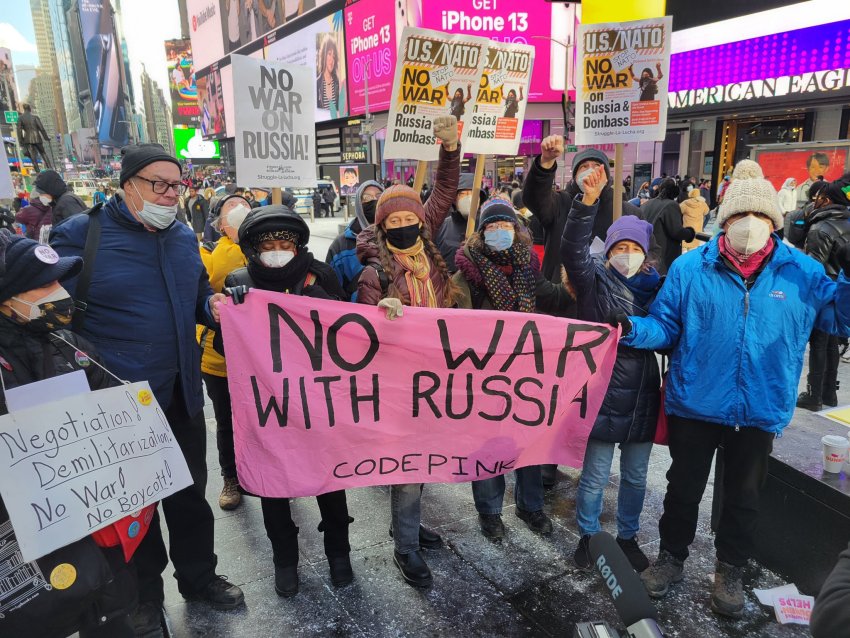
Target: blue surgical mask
<point>499,239</point>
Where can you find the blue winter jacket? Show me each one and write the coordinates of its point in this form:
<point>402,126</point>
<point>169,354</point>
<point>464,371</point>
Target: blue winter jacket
<point>148,291</point>
<point>738,353</point>
<point>342,257</point>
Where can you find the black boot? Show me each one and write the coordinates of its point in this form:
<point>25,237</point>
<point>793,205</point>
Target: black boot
<point>413,568</point>
<point>550,476</point>
<point>810,400</point>
<point>830,390</point>
<point>286,580</point>
<point>341,572</point>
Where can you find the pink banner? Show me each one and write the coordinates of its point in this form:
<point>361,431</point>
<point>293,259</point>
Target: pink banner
<point>329,395</point>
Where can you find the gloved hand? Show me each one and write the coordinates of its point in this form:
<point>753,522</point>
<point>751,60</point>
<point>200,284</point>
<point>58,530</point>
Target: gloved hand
<point>237,293</point>
<point>619,318</point>
<point>445,130</point>
<point>392,306</point>
<point>843,259</point>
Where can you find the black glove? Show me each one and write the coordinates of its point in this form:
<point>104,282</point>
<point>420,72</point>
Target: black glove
<point>843,259</point>
<point>619,318</point>
<point>237,293</point>
<point>688,234</point>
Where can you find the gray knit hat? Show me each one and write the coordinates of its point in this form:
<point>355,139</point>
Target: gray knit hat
<point>750,192</point>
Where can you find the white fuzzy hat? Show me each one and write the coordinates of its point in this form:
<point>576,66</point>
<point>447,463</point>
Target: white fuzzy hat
<point>749,192</point>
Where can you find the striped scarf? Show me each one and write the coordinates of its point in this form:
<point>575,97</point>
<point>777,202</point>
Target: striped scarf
<point>417,274</point>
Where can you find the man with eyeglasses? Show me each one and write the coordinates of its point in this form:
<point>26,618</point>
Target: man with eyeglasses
<point>142,291</point>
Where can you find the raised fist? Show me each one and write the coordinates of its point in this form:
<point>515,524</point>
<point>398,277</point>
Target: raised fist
<point>445,130</point>
<point>551,148</point>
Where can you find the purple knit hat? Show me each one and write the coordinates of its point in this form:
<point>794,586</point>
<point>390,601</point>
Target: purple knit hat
<point>629,227</point>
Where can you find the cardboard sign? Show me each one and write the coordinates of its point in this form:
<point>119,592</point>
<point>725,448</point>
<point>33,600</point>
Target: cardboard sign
<point>329,395</point>
<point>436,74</point>
<point>622,75</point>
<point>275,123</point>
<point>71,467</point>
<point>496,126</point>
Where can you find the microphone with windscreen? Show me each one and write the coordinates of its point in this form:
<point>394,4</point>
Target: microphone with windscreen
<point>625,587</point>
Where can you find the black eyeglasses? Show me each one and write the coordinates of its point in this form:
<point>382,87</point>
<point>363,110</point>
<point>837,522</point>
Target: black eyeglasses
<point>161,188</point>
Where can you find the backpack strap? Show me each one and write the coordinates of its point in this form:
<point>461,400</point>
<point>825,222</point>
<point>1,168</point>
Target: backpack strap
<point>81,294</point>
<point>382,277</point>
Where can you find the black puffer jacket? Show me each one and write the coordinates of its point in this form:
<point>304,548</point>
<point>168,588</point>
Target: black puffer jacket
<point>26,357</point>
<point>450,236</point>
<point>828,232</point>
<point>551,209</point>
<point>629,412</point>
<point>669,232</point>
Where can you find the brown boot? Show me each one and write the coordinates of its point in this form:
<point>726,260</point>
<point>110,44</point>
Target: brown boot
<point>230,496</point>
<point>727,597</point>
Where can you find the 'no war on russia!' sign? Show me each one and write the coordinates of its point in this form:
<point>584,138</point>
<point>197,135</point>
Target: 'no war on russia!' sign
<point>71,467</point>
<point>329,395</point>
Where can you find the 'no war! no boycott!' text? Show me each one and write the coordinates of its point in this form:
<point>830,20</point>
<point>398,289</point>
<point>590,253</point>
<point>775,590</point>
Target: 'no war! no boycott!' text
<point>328,395</point>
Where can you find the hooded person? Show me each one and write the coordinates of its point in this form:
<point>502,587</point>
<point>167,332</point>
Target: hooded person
<point>498,270</point>
<point>552,207</point>
<point>402,266</point>
<point>618,279</point>
<point>747,294</point>
<point>452,232</point>
<point>37,215</point>
<point>342,254</point>
<point>147,291</point>
<point>274,242</point>
<point>787,196</point>
<point>227,213</point>
<point>797,222</point>
<point>36,344</point>
<point>669,232</point>
<point>828,231</point>
<point>694,209</point>
<point>63,201</point>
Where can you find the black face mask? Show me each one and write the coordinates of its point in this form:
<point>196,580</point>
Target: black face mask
<point>404,237</point>
<point>369,210</point>
<point>56,315</point>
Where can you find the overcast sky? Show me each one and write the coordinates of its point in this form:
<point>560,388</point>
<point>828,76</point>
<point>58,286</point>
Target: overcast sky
<point>147,24</point>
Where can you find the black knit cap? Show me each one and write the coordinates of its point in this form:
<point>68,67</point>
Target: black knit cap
<point>26,265</point>
<point>838,191</point>
<point>136,156</point>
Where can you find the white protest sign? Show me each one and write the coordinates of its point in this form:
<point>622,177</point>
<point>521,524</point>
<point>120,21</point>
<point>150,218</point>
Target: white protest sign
<point>623,73</point>
<point>436,74</point>
<point>7,189</point>
<point>496,125</point>
<point>275,123</point>
<point>71,467</point>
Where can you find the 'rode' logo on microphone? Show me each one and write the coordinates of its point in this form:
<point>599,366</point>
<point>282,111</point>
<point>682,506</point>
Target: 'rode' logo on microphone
<point>608,576</point>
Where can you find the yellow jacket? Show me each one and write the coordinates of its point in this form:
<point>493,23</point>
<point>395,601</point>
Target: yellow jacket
<point>223,260</point>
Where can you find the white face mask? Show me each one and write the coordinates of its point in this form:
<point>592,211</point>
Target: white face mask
<point>276,258</point>
<point>35,311</point>
<point>45,199</point>
<point>582,176</point>
<point>627,264</point>
<point>464,204</point>
<point>154,215</point>
<point>748,235</point>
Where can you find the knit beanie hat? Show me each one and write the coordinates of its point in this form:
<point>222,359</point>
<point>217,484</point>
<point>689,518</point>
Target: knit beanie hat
<point>26,265</point>
<point>632,228</point>
<point>838,191</point>
<point>397,198</point>
<point>136,156</point>
<point>495,210</point>
<point>749,192</point>
<point>591,154</point>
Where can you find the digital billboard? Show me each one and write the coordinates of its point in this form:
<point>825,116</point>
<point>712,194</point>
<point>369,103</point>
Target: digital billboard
<point>8,93</point>
<point>105,72</point>
<point>211,104</point>
<point>206,31</point>
<point>189,144</point>
<point>181,83</point>
<point>320,46</point>
<point>247,21</point>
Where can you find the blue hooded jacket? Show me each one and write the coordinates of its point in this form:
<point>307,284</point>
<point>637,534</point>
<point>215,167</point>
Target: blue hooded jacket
<point>738,353</point>
<point>148,292</point>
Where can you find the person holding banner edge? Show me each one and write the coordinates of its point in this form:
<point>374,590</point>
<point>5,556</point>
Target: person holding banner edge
<point>404,267</point>
<point>497,270</point>
<point>35,344</point>
<point>622,279</point>
<point>274,241</point>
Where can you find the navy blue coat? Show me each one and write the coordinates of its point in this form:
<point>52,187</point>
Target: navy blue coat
<point>148,291</point>
<point>629,412</point>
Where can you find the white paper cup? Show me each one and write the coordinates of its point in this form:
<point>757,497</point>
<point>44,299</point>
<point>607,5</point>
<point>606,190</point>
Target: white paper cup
<point>834,453</point>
